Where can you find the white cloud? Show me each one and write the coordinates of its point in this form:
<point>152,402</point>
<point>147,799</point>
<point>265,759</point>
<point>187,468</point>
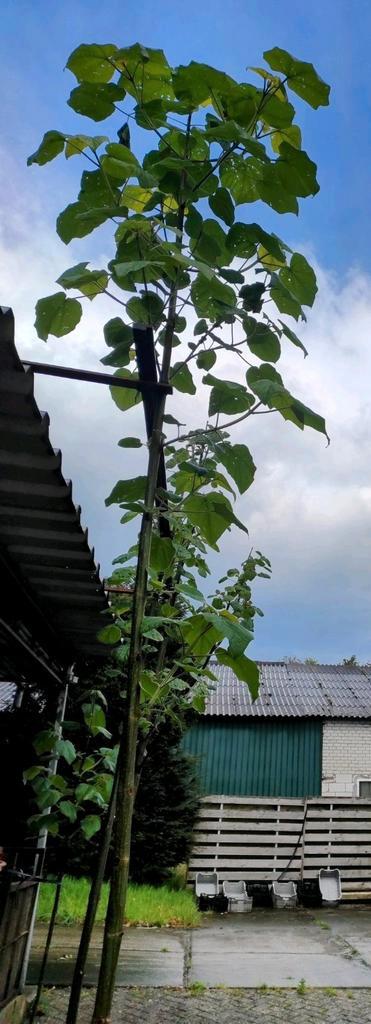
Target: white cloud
<point>309,509</point>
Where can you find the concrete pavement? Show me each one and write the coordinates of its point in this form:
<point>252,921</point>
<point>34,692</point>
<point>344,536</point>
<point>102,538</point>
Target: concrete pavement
<point>328,949</point>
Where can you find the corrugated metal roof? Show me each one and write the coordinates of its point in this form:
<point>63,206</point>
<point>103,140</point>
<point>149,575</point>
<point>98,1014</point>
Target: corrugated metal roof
<point>294,690</point>
<point>40,528</point>
<point>8,693</point>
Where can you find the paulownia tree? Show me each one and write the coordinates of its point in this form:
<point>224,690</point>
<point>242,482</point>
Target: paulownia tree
<point>213,287</point>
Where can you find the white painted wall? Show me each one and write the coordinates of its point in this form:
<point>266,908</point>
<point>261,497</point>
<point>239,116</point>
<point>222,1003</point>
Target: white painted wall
<point>346,757</point>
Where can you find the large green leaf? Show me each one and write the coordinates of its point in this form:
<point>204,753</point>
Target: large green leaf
<point>125,398</point>
<point>300,279</point>
<point>242,240</point>
<point>95,205</point>
<point>90,825</point>
<point>94,719</point>
<point>294,172</point>
<point>90,62</point>
<point>212,514</point>
<point>277,112</point>
<point>50,146</point>
<point>262,341</point>
<point>292,337</point>
<point>252,296</point>
<point>274,192</point>
<point>95,101</point>
<point>210,244</point>
<point>302,76</point>
<point>120,162</point>
<point>245,669</point>
<point>120,355</point>
<point>242,104</point>
<point>229,628</point>
<point>292,135</point>
<point>284,300</point>
<point>162,553</point>
<point>238,461</point>
<point>221,204</point>
<point>89,282</point>
<point>268,386</point>
<point>130,442</point>
<point>227,396</point>
<point>65,749</point>
<point>200,636</point>
<point>76,144</point>
<point>194,83</point>
<point>127,490</point>
<point>181,379</point>
<point>241,177</point>
<point>116,332</point>
<point>212,298</point>
<point>266,383</point>
<point>68,809</point>
<point>57,315</point>
<point>76,222</point>
<point>190,590</point>
<point>308,418</point>
<point>109,634</point>
<point>206,359</point>
<point>145,73</point>
<point>146,309</point>
<point>136,197</point>
<point>193,222</point>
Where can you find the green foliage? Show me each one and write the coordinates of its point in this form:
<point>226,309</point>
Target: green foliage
<point>214,143</point>
<point>57,315</point>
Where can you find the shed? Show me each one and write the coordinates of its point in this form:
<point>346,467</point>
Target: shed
<point>286,780</point>
<point>51,601</point>
<point>308,733</point>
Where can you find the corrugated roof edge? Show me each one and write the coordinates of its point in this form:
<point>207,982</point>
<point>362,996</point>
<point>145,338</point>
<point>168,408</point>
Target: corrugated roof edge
<point>293,690</point>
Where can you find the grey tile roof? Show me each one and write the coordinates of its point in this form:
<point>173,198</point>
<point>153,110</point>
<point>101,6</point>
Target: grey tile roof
<point>294,690</point>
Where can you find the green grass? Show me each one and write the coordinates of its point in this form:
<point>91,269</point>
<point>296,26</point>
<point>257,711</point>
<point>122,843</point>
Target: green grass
<point>146,905</point>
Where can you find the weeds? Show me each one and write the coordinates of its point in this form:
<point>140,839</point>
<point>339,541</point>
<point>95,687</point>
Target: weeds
<point>302,987</point>
<point>146,905</point>
<point>197,988</point>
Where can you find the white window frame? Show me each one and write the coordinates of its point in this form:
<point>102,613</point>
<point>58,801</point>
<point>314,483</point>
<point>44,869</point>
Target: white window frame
<point>362,778</point>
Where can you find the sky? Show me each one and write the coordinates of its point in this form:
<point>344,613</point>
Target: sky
<point>309,509</point>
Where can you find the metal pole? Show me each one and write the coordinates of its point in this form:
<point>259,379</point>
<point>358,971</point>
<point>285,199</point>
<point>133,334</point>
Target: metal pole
<point>44,961</point>
<point>96,377</point>
<point>43,834</point>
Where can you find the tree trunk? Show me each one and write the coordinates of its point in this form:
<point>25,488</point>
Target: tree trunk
<point>91,910</point>
<point>127,754</point>
<point>114,923</point>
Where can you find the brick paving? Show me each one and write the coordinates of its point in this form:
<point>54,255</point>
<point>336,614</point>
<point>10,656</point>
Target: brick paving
<point>216,1006</point>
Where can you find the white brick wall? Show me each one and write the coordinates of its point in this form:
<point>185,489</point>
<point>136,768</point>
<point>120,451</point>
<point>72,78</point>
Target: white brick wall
<point>346,757</point>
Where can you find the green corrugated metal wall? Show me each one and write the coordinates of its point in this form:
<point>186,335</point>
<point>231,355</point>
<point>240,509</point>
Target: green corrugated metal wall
<point>257,758</point>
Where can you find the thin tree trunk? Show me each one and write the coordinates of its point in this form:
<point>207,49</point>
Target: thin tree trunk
<point>91,910</point>
<point>114,923</point>
<point>127,754</point>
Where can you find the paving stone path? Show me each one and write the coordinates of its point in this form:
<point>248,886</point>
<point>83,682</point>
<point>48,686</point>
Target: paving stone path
<point>233,1006</point>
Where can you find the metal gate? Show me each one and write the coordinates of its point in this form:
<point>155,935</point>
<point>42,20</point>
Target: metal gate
<point>18,892</point>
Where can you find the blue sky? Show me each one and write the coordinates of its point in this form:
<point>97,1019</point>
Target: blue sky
<point>310,510</point>
<point>37,38</point>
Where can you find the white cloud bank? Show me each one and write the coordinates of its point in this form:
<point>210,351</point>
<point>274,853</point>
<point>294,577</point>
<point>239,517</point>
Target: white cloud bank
<point>309,509</point>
